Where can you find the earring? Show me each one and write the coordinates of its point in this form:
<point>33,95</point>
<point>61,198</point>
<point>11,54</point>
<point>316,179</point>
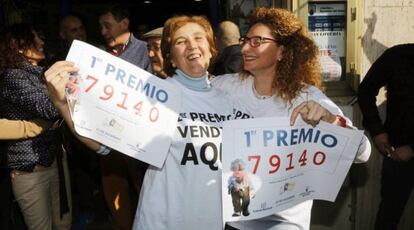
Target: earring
<point>173,65</point>
<point>20,51</point>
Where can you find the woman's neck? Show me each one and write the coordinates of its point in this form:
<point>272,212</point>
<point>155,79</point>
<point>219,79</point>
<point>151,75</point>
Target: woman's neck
<point>263,83</point>
<point>33,62</point>
<point>194,83</point>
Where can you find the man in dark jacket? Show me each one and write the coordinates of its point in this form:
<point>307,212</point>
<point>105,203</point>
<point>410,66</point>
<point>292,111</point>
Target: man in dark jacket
<point>395,137</point>
<point>229,59</point>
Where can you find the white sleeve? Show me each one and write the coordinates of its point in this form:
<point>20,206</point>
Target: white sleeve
<point>224,82</point>
<point>364,150</point>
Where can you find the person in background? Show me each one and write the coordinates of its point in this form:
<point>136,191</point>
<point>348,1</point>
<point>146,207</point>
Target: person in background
<point>114,22</point>
<point>393,138</point>
<point>140,30</point>
<point>281,77</point>
<point>37,164</point>
<point>82,162</point>
<point>71,27</point>
<point>229,59</point>
<point>122,175</point>
<point>153,39</point>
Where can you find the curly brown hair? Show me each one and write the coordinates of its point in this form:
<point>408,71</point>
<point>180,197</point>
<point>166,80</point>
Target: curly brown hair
<point>171,26</point>
<point>13,40</point>
<point>299,66</point>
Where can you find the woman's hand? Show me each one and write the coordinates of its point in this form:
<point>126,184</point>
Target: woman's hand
<point>312,112</point>
<point>57,77</point>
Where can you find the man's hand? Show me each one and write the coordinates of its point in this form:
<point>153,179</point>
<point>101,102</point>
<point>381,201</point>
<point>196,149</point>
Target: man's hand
<point>383,144</point>
<point>402,153</point>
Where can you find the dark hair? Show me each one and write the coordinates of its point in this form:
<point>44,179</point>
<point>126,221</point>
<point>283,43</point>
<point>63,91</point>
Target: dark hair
<point>15,38</point>
<point>171,26</point>
<point>119,12</point>
<point>72,15</point>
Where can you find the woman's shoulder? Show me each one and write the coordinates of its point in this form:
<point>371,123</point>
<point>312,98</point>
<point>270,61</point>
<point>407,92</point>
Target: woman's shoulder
<point>12,74</point>
<point>12,71</point>
<point>228,81</point>
<point>225,78</point>
<point>311,92</point>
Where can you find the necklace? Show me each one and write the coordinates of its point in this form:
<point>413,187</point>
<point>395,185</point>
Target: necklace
<point>258,96</point>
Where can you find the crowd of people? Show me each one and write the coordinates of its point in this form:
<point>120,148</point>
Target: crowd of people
<point>273,70</point>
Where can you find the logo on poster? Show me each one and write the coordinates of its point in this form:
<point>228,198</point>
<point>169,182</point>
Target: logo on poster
<point>307,192</point>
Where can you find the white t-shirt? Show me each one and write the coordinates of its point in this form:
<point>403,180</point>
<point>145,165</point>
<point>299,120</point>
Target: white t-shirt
<point>186,192</point>
<point>297,217</point>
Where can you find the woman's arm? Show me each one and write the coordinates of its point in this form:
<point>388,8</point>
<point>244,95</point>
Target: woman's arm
<point>17,129</point>
<point>25,90</point>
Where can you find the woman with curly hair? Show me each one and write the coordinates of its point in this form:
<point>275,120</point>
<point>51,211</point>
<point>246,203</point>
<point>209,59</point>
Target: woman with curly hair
<point>32,162</point>
<point>281,77</point>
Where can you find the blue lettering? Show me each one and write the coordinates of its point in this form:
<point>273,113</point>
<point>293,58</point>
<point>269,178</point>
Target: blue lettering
<point>131,81</point>
<point>109,68</point>
<point>333,141</point>
<point>93,61</point>
<point>303,136</point>
<point>267,135</point>
<point>293,136</point>
<point>316,136</point>
<point>120,75</point>
<point>281,137</point>
<point>162,96</point>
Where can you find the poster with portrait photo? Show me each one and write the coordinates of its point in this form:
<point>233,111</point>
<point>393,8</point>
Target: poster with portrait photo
<point>269,166</point>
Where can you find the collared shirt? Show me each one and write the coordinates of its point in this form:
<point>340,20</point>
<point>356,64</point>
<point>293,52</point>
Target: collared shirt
<point>23,96</point>
<point>135,52</point>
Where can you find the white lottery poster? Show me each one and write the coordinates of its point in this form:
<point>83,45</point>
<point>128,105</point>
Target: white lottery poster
<point>269,166</point>
<point>123,106</point>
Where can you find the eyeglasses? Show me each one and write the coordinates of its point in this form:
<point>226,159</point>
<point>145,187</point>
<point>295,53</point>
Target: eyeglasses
<point>254,41</point>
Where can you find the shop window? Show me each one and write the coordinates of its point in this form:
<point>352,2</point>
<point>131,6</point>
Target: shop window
<point>327,23</point>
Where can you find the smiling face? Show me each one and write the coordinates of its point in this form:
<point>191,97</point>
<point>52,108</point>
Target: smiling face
<point>154,54</point>
<point>35,53</point>
<point>265,57</point>
<point>190,50</point>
